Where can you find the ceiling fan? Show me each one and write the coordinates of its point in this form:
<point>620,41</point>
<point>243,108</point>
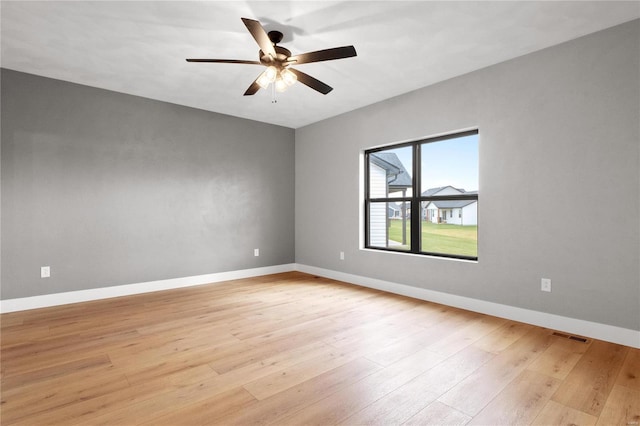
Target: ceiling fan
<point>279,60</point>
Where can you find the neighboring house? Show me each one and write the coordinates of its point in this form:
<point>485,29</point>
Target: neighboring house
<point>387,175</point>
<point>455,212</point>
<point>394,211</point>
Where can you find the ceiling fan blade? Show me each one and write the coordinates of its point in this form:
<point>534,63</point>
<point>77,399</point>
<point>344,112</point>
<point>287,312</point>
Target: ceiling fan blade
<point>324,55</point>
<point>225,61</point>
<point>260,35</point>
<point>314,83</point>
<point>252,89</point>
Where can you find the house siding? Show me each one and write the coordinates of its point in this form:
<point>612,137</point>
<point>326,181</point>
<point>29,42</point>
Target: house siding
<point>470,214</point>
<point>377,211</point>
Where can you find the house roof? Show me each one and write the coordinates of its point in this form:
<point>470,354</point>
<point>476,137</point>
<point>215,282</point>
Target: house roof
<point>393,165</point>
<point>451,204</point>
<point>433,191</point>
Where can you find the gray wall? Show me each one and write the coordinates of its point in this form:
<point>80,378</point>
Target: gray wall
<point>113,189</point>
<point>559,180</point>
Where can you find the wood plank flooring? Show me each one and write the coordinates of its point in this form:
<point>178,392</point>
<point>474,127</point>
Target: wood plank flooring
<point>291,349</point>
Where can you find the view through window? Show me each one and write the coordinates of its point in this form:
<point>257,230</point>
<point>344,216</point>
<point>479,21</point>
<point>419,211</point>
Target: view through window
<point>422,197</point>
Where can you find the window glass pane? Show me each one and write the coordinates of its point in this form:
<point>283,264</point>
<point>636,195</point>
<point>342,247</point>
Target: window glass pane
<point>390,173</point>
<point>449,227</point>
<point>450,166</point>
<point>389,225</point>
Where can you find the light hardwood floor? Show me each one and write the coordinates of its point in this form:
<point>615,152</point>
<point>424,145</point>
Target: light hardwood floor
<point>297,349</point>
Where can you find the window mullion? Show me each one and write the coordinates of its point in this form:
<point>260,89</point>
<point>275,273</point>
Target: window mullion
<point>415,204</point>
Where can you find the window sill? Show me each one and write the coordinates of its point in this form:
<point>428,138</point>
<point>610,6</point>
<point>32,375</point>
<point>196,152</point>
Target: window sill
<point>427,256</point>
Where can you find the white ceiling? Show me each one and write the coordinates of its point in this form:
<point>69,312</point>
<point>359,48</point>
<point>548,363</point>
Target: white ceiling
<point>139,47</point>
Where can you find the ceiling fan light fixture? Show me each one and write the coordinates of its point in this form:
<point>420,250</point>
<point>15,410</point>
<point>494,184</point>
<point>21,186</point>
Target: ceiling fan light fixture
<point>267,77</point>
<point>281,86</point>
<point>263,81</point>
<point>271,73</point>
<point>288,77</point>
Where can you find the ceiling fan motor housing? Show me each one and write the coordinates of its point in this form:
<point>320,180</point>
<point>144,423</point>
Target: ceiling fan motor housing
<point>282,54</point>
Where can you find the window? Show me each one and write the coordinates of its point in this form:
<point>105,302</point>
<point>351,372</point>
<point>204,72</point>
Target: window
<point>411,193</point>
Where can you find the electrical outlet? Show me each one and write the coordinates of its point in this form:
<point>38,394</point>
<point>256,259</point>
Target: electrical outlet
<point>256,252</point>
<point>341,255</point>
<point>545,284</point>
<point>45,272</point>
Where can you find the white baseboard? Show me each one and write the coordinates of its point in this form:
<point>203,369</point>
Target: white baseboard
<point>47,300</point>
<point>590,329</point>
<point>609,333</point>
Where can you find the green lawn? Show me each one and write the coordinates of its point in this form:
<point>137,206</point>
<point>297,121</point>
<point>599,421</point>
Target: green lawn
<point>440,238</point>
